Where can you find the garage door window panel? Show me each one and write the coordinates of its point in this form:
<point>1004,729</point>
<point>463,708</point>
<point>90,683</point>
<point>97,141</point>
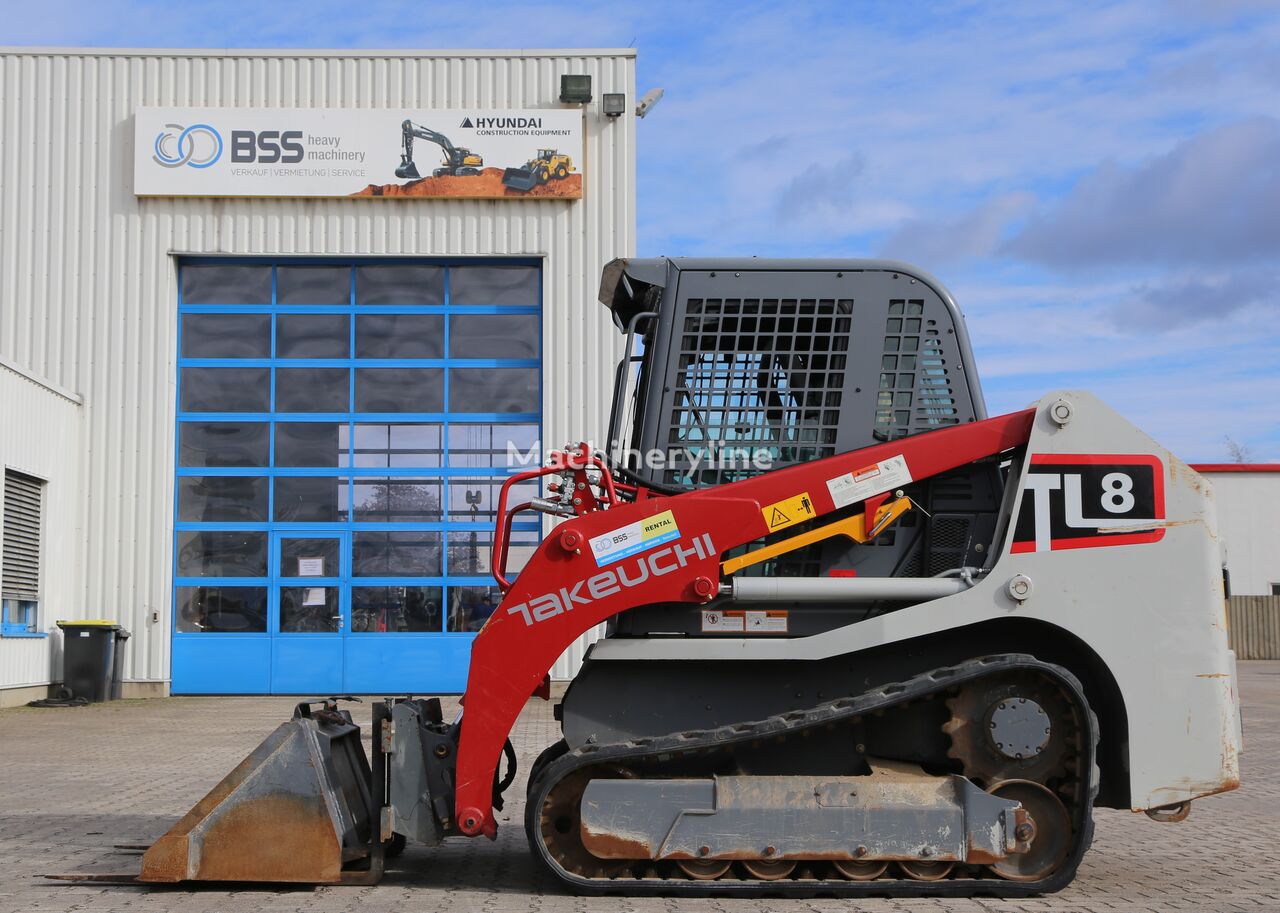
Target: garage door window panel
<point>301,285</point>
<point>221,610</point>
<point>405,553</point>
<point>399,284</point>
<point>470,552</point>
<point>400,336</point>
<point>225,389</point>
<point>318,444</point>
<point>310,557</point>
<point>222,499</point>
<point>509,336</point>
<point>223,444</point>
<point>397,609</point>
<point>309,610</point>
<point>399,390</point>
<point>494,285</point>
<point>310,499</point>
<point>503,391</point>
<point>494,446</point>
<point>475,499</point>
<point>313,336</point>
<point>397,500</point>
<point>471,606</point>
<point>233,284</point>
<point>312,390</point>
<point>408,445</point>
<point>226,335</point>
<point>221,553</point>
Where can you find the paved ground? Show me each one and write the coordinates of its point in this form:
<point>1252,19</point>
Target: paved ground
<point>74,782</point>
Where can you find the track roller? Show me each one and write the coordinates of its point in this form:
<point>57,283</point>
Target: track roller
<point>926,871</point>
<point>769,869</point>
<point>860,871</point>
<point>703,869</point>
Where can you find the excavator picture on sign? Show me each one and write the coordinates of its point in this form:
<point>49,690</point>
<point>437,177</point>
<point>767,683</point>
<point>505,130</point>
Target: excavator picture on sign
<point>462,172</point>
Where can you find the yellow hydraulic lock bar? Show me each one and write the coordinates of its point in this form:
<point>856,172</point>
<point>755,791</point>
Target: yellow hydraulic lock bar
<point>854,527</point>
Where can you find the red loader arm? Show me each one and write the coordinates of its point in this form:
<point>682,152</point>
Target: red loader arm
<point>662,549</point>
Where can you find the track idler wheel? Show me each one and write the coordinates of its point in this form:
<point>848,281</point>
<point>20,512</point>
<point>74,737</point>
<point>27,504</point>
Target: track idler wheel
<point>1052,840</point>
<point>860,871</point>
<point>561,821</point>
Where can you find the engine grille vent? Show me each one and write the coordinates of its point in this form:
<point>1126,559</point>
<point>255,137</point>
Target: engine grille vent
<point>948,538</point>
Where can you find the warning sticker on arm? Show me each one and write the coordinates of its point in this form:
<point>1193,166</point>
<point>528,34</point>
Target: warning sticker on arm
<point>863,483</point>
<point>750,621</point>
<point>789,511</point>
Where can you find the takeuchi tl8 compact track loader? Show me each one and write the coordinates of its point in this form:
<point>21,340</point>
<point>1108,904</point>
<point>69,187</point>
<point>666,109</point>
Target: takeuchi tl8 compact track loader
<point>861,637</point>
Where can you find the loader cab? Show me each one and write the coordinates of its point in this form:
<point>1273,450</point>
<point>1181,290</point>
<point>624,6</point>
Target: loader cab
<point>794,359</point>
<point>736,367</point>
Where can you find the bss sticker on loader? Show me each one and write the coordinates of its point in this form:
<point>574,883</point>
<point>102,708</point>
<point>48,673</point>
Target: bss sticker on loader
<point>1090,501</point>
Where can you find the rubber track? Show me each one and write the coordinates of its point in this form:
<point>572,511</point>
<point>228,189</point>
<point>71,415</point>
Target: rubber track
<point>792,723</point>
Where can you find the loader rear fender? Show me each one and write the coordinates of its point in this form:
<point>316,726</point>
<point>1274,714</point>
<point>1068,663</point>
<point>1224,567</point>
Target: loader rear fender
<point>1052,644</point>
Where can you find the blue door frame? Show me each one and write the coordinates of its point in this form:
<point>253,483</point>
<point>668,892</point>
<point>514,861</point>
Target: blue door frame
<point>305,602</point>
<point>227,611</point>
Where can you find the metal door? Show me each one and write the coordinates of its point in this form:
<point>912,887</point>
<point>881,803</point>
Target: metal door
<point>309,611</point>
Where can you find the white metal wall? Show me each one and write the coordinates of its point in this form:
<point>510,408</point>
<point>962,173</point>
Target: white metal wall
<point>87,292</point>
<point>1248,505</point>
<point>40,435</point>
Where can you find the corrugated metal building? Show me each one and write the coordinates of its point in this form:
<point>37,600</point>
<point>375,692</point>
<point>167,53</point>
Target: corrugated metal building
<point>177,491</point>
<point>1248,496</point>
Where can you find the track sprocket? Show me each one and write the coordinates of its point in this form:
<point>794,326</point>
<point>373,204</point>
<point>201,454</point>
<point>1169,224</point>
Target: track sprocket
<point>996,732</point>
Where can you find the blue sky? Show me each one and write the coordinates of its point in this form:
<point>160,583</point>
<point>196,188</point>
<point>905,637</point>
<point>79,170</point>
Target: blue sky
<point>1097,183</point>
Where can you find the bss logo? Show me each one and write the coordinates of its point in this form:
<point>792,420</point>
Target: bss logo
<point>267,147</point>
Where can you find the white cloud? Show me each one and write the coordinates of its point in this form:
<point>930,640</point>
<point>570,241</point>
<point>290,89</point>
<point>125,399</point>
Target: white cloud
<point>1211,199</point>
<point>1187,386</point>
<point>976,233</point>
<point>1198,298</point>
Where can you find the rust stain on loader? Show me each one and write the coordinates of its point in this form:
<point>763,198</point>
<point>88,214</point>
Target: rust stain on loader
<point>613,846</point>
<point>280,838</point>
<point>268,820</point>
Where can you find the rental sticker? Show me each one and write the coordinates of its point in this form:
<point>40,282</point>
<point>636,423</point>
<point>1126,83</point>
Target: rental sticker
<point>634,538</point>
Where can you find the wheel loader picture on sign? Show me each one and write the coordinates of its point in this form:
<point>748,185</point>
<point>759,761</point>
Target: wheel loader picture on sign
<point>861,636</point>
<point>547,165</point>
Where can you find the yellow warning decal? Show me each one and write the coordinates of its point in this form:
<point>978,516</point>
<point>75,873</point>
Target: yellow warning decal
<point>781,514</point>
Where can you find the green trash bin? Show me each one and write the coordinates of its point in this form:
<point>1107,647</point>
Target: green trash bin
<point>88,657</point>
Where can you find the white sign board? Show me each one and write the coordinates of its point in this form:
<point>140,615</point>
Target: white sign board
<point>383,152</point>
<point>311,567</point>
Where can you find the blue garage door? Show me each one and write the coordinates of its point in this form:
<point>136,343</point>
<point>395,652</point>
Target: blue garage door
<point>343,430</point>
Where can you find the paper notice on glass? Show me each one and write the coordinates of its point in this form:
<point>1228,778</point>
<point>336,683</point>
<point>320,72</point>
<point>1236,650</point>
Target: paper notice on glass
<point>310,567</point>
<point>314,596</point>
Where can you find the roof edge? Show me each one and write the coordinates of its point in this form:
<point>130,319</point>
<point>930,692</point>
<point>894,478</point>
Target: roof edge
<point>1235,467</point>
<point>53,51</point>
